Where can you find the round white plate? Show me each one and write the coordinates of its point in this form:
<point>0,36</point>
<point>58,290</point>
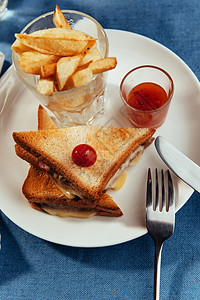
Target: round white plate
<point>18,109</point>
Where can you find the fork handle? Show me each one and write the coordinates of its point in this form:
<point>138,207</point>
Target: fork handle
<point>157,263</point>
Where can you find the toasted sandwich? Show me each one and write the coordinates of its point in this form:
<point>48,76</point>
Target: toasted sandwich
<point>43,194</point>
<point>116,149</point>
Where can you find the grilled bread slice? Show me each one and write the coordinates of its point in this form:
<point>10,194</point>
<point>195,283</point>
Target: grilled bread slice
<point>114,146</point>
<point>43,194</point>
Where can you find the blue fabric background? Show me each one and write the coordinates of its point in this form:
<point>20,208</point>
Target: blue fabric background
<point>31,268</point>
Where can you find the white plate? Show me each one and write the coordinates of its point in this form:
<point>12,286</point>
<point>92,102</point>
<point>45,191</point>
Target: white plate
<point>181,128</point>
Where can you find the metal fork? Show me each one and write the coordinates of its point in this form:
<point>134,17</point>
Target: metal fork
<point>160,216</point>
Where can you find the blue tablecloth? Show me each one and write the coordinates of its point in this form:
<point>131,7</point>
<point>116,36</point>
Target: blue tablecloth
<point>31,268</point>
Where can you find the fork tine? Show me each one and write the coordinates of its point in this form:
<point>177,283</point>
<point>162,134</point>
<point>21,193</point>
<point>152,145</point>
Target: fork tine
<point>163,203</point>
<point>149,189</point>
<point>157,190</point>
<point>170,191</point>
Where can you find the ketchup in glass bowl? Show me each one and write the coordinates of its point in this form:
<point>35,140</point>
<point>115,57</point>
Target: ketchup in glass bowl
<point>147,92</point>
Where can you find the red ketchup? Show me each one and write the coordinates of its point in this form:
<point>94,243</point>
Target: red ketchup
<point>84,155</point>
<point>147,98</point>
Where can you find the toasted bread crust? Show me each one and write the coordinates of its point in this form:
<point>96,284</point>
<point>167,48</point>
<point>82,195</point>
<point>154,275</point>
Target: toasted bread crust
<point>46,192</point>
<point>36,206</point>
<point>113,147</point>
<point>44,122</point>
<point>108,213</point>
<point>25,155</point>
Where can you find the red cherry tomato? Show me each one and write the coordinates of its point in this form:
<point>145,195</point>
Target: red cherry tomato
<point>84,155</point>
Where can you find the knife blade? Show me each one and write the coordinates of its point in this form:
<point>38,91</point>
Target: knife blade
<point>179,163</point>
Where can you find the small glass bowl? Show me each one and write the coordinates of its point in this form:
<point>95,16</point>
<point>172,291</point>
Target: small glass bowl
<point>80,105</point>
<point>143,74</point>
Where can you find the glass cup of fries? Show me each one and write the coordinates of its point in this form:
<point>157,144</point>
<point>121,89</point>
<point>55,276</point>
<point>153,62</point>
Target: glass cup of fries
<point>80,99</point>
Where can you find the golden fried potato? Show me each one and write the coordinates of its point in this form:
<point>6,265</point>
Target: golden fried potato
<point>103,65</point>
<point>61,33</point>
<point>59,20</point>
<point>45,87</point>
<point>19,48</point>
<point>31,61</point>
<point>66,66</point>
<point>48,70</point>
<point>91,54</point>
<point>60,47</point>
<point>80,78</point>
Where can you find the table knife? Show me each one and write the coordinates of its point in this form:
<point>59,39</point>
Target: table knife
<point>179,163</point>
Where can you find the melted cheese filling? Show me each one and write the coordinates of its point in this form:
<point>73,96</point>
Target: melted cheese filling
<point>66,192</point>
<point>119,182</point>
<point>67,212</point>
<point>131,160</point>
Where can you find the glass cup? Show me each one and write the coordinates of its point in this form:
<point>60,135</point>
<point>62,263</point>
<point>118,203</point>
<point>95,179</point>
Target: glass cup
<point>3,7</point>
<point>80,105</point>
<point>153,118</point>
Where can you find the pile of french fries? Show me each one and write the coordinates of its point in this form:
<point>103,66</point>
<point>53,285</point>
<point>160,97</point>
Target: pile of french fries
<point>62,57</point>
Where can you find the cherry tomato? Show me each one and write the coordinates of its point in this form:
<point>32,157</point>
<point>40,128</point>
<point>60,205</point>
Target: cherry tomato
<point>84,155</point>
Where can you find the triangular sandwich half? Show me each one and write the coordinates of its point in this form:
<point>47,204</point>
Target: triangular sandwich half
<point>116,148</point>
<point>42,193</point>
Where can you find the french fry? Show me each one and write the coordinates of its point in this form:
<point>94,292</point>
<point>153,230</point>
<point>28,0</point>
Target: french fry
<point>48,70</point>
<point>66,66</point>
<point>31,61</point>
<point>19,48</point>
<point>61,33</point>
<point>45,87</point>
<point>103,65</point>
<point>59,19</point>
<point>91,54</point>
<point>60,47</point>
<point>80,78</point>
